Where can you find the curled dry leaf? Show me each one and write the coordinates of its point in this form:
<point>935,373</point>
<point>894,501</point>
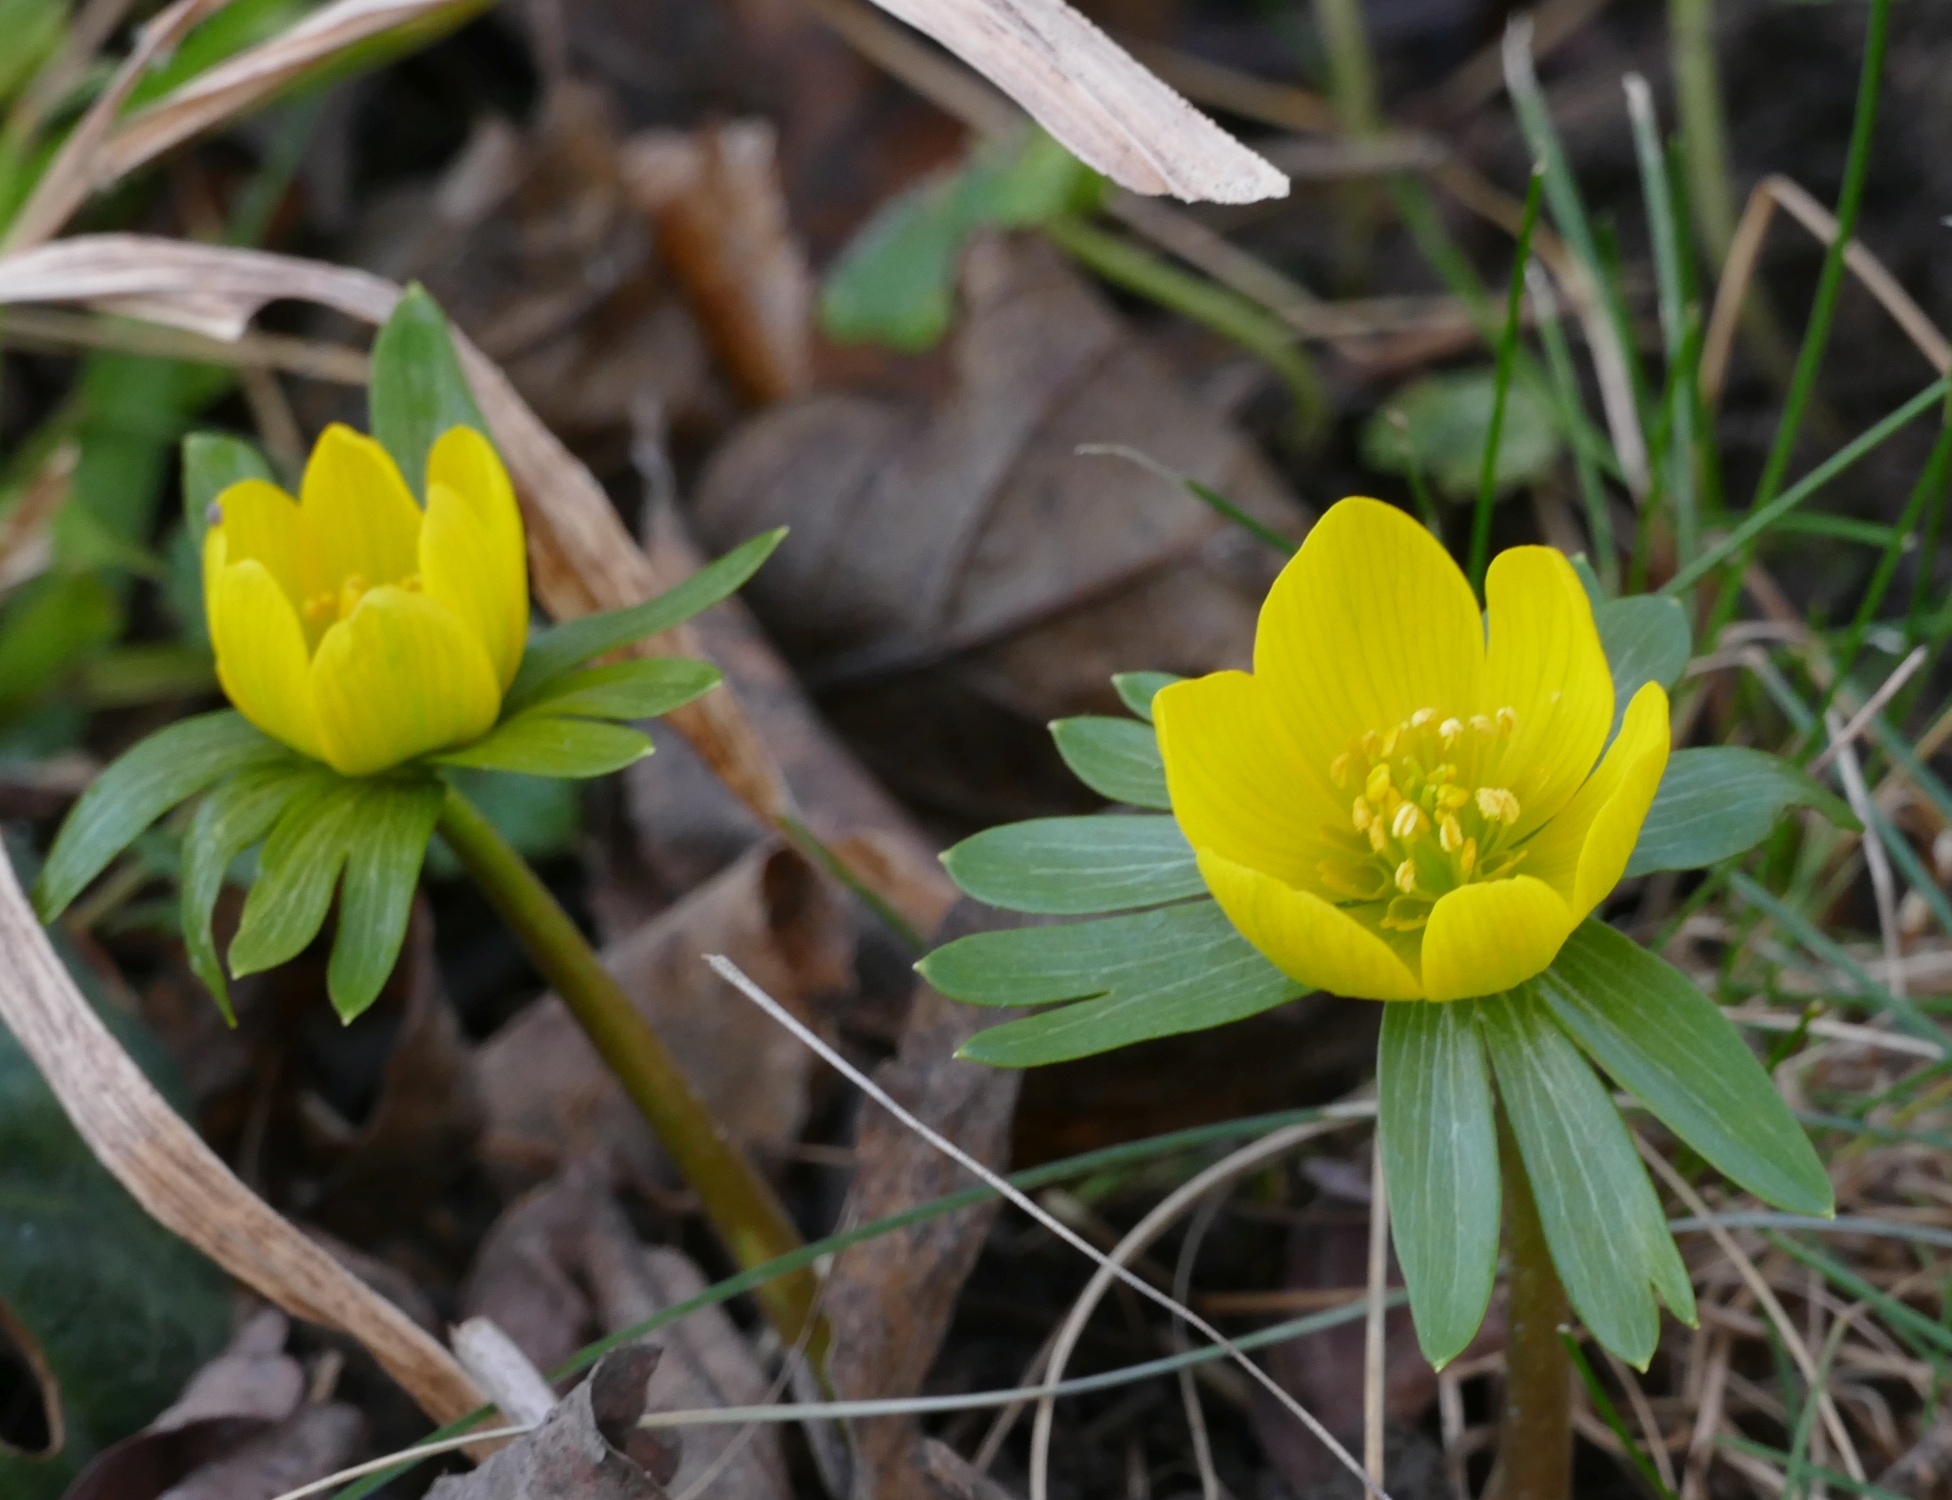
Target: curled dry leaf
<point>563,1266</point>
<point>252,1386</point>
<point>722,225</point>
<point>1108,110</point>
<point>588,1448</point>
<point>549,1098</point>
<point>181,1182</point>
<point>313,1442</point>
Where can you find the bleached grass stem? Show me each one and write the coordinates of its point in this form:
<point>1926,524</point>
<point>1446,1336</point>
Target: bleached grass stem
<point>737,978</point>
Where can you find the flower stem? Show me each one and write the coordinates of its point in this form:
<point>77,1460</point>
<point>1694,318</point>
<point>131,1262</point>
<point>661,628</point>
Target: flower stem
<point>737,1200</point>
<point>1535,1446</point>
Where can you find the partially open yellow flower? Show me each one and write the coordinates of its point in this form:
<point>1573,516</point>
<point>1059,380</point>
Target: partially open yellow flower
<point>355,627</point>
<point>1390,807</point>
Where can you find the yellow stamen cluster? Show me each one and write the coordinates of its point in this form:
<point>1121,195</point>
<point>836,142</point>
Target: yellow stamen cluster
<point>328,608</point>
<point>1427,816</point>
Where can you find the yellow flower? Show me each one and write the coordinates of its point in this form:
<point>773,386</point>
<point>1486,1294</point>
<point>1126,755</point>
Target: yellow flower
<point>354,627</point>
<point>1482,831</point>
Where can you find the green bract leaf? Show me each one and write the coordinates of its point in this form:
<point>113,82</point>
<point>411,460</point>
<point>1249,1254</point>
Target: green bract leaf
<point>1646,640</point>
<point>1440,424</point>
<point>1077,866</point>
<point>541,744</point>
<point>1136,689</point>
<point>1720,801</point>
<point>212,463</point>
<point>1440,1168</point>
<point>567,646</point>
<point>237,813</point>
<point>395,821</point>
<point>146,782</point>
<point>640,689</point>
<point>1668,1045</point>
<point>417,390</point>
<point>1182,968</point>
<point>1608,1236</point>
<point>297,874</point>
<point>1116,758</point>
<point>894,284</point>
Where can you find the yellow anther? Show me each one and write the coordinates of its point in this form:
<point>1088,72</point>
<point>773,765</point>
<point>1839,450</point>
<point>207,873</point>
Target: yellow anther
<point>1408,821</point>
<point>1372,743</point>
<point>1406,877</point>
<point>1450,834</point>
<point>1497,804</point>
<point>1467,857</point>
<point>1338,771</point>
<point>1449,730</point>
<point>1378,836</point>
<point>1442,775</point>
<point>1390,739</point>
<point>1363,815</point>
<point>320,608</point>
<point>1507,720</point>
<point>1451,798</point>
<point>1483,725</point>
<point>411,583</point>
<point>1422,717</point>
<point>350,593</point>
<point>1377,785</point>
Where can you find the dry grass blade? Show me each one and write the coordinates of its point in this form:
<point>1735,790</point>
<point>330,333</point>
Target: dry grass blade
<point>1090,94</point>
<point>1745,251</point>
<point>49,331</point>
<point>71,176</point>
<point>254,76</point>
<point>181,1182</point>
<point>1792,1340</point>
<point>1374,1342</point>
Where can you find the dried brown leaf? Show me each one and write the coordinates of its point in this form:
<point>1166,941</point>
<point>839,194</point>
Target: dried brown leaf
<point>310,1444</point>
<point>584,1448</point>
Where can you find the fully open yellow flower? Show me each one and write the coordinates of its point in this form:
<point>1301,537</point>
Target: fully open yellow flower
<point>355,627</point>
<point>1390,807</point>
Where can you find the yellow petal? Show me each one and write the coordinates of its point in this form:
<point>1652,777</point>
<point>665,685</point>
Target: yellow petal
<point>1584,850</point>
<point>1491,936</point>
<point>472,552</point>
<point>1238,786</point>
<point>1370,622</point>
<point>260,648</point>
<point>359,521</point>
<point>1546,663</point>
<point>396,678</point>
<point>1306,938</point>
<point>260,523</point>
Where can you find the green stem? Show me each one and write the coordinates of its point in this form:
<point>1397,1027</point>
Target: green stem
<point>1535,1443</point>
<point>1501,387</point>
<point>1816,336</point>
<point>1216,307</point>
<point>737,1200</point>
<point>1698,98</point>
<point>1930,485</point>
